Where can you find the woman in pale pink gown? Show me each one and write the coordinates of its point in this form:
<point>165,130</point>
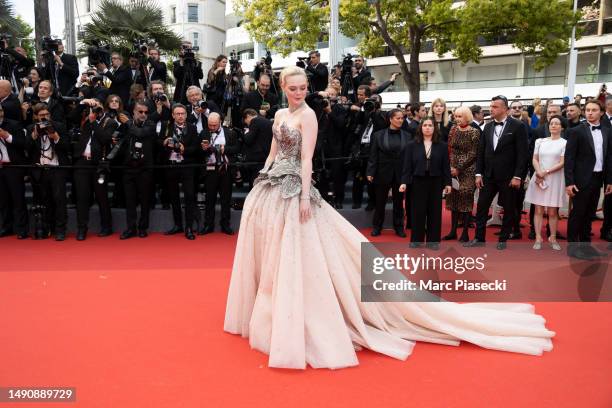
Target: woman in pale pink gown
<point>295,285</point>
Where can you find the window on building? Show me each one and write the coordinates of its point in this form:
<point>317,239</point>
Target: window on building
<point>195,40</point>
<point>192,13</point>
<point>87,6</point>
<point>173,15</point>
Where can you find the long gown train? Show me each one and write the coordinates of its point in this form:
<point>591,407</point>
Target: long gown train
<point>295,288</point>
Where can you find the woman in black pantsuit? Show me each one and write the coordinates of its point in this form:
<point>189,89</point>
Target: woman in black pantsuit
<point>427,170</point>
<point>384,170</point>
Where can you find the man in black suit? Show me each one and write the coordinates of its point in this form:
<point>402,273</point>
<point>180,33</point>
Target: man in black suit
<point>22,66</point>
<point>219,146</point>
<point>361,76</point>
<point>13,212</point>
<point>157,69</point>
<point>55,107</point>
<point>66,70</point>
<point>187,73</point>
<point>261,100</point>
<point>10,103</point>
<point>139,138</point>
<point>501,167</point>
<point>120,77</point>
<point>317,72</point>
<point>136,72</point>
<point>181,144</point>
<point>257,141</point>
<point>588,166</point>
<point>48,146</point>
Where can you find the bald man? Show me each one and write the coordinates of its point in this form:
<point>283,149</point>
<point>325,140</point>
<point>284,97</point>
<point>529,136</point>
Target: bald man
<point>219,146</point>
<point>10,103</point>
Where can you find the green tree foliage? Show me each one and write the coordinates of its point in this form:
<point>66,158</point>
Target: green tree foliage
<point>16,27</point>
<point>118,25</point>
<point>537,27</point>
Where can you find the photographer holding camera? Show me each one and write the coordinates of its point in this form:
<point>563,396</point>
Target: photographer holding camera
<point>158,103</point>
<point>45,95</point>
<point>157,69</point>
<point>187,72</point>
<point>136,70</point>
<point>261,100</point>
<point>257,141</point>
<point>21,63</point>
<point>13,211</point>
<point>137,146</point>
<point>219,146</point>
<point>89,155</point>
<point>181,144</point>
<point>29,85</point>
<point>119,75</point>
<point>8,100</point>
<point>318,74</point>
<point>91,85</point>
<point>216,80</point>
<point>48,148</point>
<point>198,109</point>
<point>61,68</point>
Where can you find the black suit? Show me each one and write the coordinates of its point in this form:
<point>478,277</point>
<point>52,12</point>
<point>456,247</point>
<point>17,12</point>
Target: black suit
<point>121,80</point>
<point>190,139</point>
<point>426,184</point>
<point>254,100</point>
<point>218,176</point>
<point>11,107</point>
<point>606,226</point>
<point>579,170</point>
<point>257,142</point>
<point>385,165</point>
<point>68,73</point>
<point>158,71</point>
<point>182,82</point>
<point>362,78</point>
<point>319,77</point>
<point>13,211</point>
<point>86,162</point>
<point>49,183</point>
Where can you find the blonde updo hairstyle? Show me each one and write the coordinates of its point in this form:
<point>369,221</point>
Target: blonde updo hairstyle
<point>291,71</point>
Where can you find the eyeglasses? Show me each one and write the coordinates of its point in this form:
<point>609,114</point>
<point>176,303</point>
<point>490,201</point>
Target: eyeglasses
<point>115,58</point>
<point>140,111</point>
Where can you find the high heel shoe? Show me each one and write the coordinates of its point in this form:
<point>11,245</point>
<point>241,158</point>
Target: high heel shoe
<point>554,245</point>
<point>537,245</point>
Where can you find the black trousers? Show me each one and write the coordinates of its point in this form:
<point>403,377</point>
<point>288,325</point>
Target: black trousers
<point>426,209</point>
<point>359,181</point>
<point>86,182</point>
<point>382,192</point>
<point>606,226</point>
<point>337,171</point>
<point>185,176</point>
<point>485,198</point>
<point>584,206</point>
<point>217,183</point>
<point>137,184</point>
<point>519,198</point>
<point>49,188</point>
<point>13,211</point>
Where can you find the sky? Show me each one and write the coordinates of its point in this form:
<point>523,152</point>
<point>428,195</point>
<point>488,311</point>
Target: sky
<point>25,8</point>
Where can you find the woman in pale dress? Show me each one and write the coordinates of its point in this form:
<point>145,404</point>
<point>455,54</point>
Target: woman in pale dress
<point>547,186</point>
<point>295,289</point>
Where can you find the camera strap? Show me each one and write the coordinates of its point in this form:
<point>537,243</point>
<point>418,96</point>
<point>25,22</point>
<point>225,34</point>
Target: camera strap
<point>365,138</point>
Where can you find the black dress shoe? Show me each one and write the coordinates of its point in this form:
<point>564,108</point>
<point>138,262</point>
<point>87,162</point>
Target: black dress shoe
<point>189,234</point>
<point>415,245</point>
<point>501,245</point>
<point>5,233</point>
<point>142,233</point>
<point>465,236</point>
<point>400,233</point>
<point>23,235</point>
<point>105,232</point>
<point>130,233</point>
<point>206,230</point>
<point>580,254</point>
<point>81,235</point>
<point>375,232</point>
<point>227,230</point>
<point>173,230</point>
<point>474,243</point>
<point>449,237</point>
<point>60,236</point>
<point>605,237</point>
<point>355,206</point>
<point>369,207</point>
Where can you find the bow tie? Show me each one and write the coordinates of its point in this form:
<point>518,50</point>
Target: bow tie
<point>499,123</point>
<point>596,127</point>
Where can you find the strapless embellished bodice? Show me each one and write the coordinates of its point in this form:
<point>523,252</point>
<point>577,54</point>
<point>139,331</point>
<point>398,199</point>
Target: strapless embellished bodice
<point>287,166</point>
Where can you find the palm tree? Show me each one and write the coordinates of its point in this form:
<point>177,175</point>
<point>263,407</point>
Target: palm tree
<point>8,23</point>
<point>118,25</point>
<point>42,28</point>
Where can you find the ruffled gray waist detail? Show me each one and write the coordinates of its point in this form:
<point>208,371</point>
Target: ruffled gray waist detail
<point>287,173</point>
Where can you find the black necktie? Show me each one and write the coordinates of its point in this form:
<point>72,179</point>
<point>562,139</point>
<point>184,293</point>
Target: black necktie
<point>596,127</point>
<point>499,123</point>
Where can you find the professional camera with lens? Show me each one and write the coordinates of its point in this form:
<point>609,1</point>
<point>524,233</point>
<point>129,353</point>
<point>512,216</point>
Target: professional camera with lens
<point>140,49</point>
<point>117,146</point>
<point>177,138</point>
<point>44,127</point>
<point>188,53</point>
<point>112,113</point>
<point>203,105</point>
<point>302,62</point>
<point>98,110</point>
<point>97,54</point>
<point>49,44</point>
<point>160,97</point>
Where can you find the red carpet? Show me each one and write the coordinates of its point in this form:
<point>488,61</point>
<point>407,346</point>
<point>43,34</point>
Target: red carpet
<point>139,324</point>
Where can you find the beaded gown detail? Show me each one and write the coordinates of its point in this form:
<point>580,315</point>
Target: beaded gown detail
<point>295,287</point>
